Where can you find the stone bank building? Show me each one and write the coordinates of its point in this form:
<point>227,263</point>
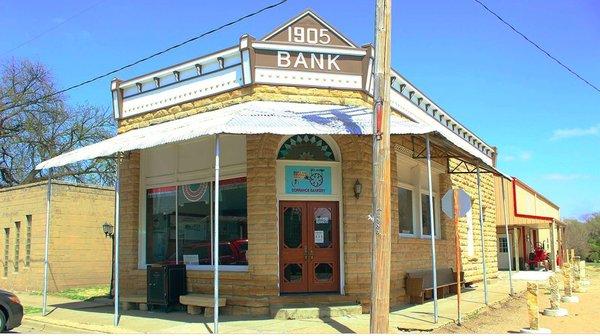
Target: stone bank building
<point>293,115</point>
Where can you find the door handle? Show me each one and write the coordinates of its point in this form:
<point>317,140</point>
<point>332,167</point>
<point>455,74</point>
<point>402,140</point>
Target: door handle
<point>312,255</point>
<point>306,254</point>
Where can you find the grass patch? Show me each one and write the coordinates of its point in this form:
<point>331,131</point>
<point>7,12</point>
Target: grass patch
<point>29,310</point>
<point>81,293</point>
<point>84,293</point>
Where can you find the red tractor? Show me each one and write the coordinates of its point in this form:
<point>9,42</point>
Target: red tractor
<point>539,257</point>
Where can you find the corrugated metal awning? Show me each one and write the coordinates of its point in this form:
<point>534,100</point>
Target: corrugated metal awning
<point>256,117</point>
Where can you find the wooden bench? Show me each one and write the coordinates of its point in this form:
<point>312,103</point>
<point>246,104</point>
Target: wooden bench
<point>198,303</point>
<point>421,281</point>
<point>132,301</point>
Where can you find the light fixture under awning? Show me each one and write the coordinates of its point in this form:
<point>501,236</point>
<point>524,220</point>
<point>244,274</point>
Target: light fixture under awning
<point>256,117</point>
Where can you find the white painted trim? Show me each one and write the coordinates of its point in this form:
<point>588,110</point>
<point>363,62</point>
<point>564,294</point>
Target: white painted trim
<point>180,67</point>
<point>369,78</point>
<point>426,100</point>
<point>411,188</point>
<point>409,108</point>
<point>311,49</point>
<point>205,268</point>
<point>437,214</point>
<point>247,70</point>
<point>193,88</point>
<point>307,78</point>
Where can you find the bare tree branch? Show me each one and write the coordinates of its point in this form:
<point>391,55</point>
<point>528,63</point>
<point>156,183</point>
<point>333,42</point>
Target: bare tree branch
<point>46,128</point>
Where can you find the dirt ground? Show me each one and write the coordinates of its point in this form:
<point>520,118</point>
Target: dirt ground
<point>511,316</point>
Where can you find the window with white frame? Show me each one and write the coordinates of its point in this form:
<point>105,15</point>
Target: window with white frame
<point>426,215</point>
<point>413,199</point>
<point>405,210</point>
<point>178,188</point>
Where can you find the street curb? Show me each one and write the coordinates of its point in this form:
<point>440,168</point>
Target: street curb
<point>78,326</point>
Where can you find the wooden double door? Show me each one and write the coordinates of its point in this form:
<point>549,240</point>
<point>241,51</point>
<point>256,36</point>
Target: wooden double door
<point>309,247</point>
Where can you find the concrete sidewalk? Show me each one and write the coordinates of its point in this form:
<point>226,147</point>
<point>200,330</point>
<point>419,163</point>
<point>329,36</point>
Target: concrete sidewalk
<point>97,316</point>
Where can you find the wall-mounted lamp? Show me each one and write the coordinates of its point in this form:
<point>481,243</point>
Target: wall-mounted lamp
<point>108,230</point>
<point>357,189</point>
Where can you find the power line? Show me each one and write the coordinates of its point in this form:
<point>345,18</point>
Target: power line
<point>93,79</point>
<point>53,27</point>
<point>538,46</point>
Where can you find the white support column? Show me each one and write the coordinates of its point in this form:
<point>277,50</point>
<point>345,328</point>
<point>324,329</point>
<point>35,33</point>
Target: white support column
<point>117,236</point>
<point>508,242</point>
<point>216,239</point>
<point>432,223</point>
<point>47,241</point>
<point>485,289</point>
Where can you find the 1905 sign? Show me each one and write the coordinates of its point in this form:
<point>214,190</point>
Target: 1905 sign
<point>308,35</point>
<point>303,35</point>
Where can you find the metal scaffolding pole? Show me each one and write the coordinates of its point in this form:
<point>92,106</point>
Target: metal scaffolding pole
<point>485,289</point>
<point>216,240</point>
<point>504,207</point>
<point>432,223</point>
<point>116,237</point>
<point>47,241</point>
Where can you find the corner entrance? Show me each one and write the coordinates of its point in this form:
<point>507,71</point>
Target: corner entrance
<point>308,247</point>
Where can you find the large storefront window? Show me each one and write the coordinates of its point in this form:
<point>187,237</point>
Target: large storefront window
<point>179,224</point>
<point>194,223</point>
<point>160,224</point>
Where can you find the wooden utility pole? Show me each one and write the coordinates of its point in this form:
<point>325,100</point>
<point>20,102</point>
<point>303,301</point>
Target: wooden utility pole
<point>382,215</point>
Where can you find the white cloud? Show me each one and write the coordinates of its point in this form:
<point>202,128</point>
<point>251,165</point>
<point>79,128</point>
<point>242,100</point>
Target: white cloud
<point>565,177</point>
<point>521,156</point>
<point>575,132</point>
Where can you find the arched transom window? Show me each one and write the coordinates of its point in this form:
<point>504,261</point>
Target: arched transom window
<point>305,147</point>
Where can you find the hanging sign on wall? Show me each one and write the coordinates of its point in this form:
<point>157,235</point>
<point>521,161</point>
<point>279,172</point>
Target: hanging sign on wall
<point>307,180</point>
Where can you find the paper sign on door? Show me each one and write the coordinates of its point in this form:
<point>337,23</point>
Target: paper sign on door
<point>319,237</point>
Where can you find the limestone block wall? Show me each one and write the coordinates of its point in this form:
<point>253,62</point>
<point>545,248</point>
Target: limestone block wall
<point>407,253</point>
<point>245,94</point>
<point>79,253</point>
<point>472,265</point>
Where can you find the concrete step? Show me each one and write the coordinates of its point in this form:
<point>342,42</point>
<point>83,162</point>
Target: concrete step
<point>301,311</point>
<point>312,298</point>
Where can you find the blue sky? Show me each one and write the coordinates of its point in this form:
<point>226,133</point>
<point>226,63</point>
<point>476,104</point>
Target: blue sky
<point>545,122</point>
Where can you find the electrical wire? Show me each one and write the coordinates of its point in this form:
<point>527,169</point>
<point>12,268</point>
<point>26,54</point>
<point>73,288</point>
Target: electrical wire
<point>53,27</point>
<point>573,72</point>
<point>93,79</point>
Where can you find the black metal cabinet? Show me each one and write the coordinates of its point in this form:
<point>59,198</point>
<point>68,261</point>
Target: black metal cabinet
<point>165,284</point>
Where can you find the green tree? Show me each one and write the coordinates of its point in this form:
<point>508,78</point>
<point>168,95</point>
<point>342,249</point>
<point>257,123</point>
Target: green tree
<point>593,226</point>
<point>577,235</point>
